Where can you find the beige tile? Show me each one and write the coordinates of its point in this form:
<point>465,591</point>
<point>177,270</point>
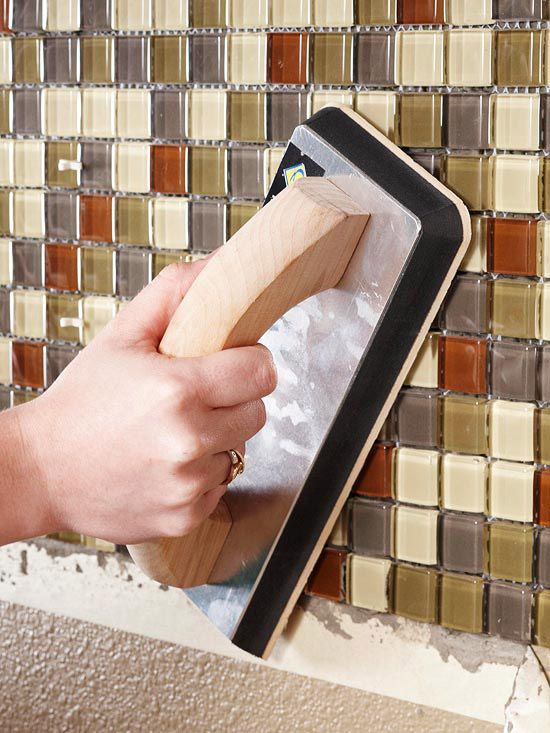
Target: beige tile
<point>133,113</point>
<point>272,160</point>
<point>61,112</point>
<point>133,15</point>
<point>424,372</point>
<point>28,214</point>
<point>99,112</point>
<point>511,430</point>
<point>247,58</point>
<point>170,223</point>
<point>333,13</point>
<point>290,13</point>
<point>464,482</point>
<point>97,313</point>
<point>207,114</point>
<point>511,491</point>
<point>170,16</point>
<point>132,167</point>
<point>29,163</point>
<point>417,476</point>
<point>369,582</point>
<point>469,57</point>
<point>320,99</point>
<point>5,361</point>
<point>380,109</point>
<point>63,15</point>
<point>469,12</point>
<point>420,58</point>
<point>5,60</point>
<point>28,313</point>
<point>6,162</point>
<point>5,262</point>
<point>516,183</point>
<point>416,535</point>
<point>248,13</point>
<point>516,121</point>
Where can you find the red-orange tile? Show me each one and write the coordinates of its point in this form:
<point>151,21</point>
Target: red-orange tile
<point>5,16</point>
<point>463,364</point>
<point>28,364</point>
<point>96,218</point>
<point>61,262</point>
<point>288,58</point>
<point>421,11</point>
<point>327,577</point>
<point>513,247</point>
<point>542,497</point>
<point>376,477</point>
<point>169,163</point>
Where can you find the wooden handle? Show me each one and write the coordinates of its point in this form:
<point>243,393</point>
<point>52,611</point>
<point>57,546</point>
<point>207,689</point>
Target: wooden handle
<point>298,245</point>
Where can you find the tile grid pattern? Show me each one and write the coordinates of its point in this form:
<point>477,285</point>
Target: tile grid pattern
<point>133,134</point>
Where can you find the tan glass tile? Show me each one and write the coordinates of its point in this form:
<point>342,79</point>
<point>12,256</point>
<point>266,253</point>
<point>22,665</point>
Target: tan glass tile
<point>512,430</point>
<point>511,552</point>
<point>6,212</point>
<point>97,270</point>
<point>133,220</point>
<point>209,14</point>
<point>169,60</point>
<point>29,313</point>
<point>516,121</point>
<point>170,16</point>
<point>247,115</point>
<point>247,58</point>
<point>376,12</point>
<point>207,114</point>
<point>368,582</point>
<point>461,603</point>
<point>333,13</point>
<point>5,111</point>
<point>239,214</point>
<point>516,308</point>
<point>62,151</point>
<point>332,58</point>
<point>29,163</point>
<point>96,59</point>
<point>420,58</point>
<point>465,424</point>
<point>208,170</point>
<point>248,13</point>
<point>164,259</point>
<point>469,57</point>
<point>516,183</point>
<point>380,109</point>
<point>421,120</point>
<point>469,12</point>
<point>27,60</point>
<point>132,15</point>
<point>471,177</point>
<point>416,593</point>
<point>519,57</point>
<point>28,213</point>
<point>64,317</point>
<point>511,491</point>
<point>291,13</point>
<point>97,312</point>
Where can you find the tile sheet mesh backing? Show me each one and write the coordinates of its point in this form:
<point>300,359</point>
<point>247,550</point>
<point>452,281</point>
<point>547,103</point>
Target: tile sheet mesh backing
<point>136,134</point>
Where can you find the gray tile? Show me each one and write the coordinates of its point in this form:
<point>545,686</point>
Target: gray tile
<point>371,527</point>
<point>58,358</point>
<point>28,263</point>
<point>247,172</point>
<point>375,59</point>
<point>286,110</point>
<point>207,226</point>
<point>96,166</point>
<point>61,60</point>
<point>429,161</point>
<point>468,121</point>
<point>462,540</point>
<point>169,114</point>
<point>95,15</point>
<point>517,9</point>
<point>514,370</point>
<point>26,15</point>
<point>4,398</point>
<point>132,59</point>
<point>466,308</point>
<point>61,215</point>
<point>133,272</point>
<point>543,558</point>
<point>509,611</point>
<point>207,59</point>
<point>4,310</point>
<point>418,417</point>
<point>26,111</point>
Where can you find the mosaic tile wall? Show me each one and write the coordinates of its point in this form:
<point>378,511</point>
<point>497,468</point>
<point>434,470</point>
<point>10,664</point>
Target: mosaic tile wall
<point>134,133</point>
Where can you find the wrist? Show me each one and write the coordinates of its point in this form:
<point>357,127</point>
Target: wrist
<point>27,508</point>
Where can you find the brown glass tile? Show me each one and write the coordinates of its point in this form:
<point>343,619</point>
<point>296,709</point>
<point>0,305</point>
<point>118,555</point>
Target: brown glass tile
<point>514,370</point>
<point>542,618</point>
<point>463,364</point>
<point>59,307</point>
<point>96,59</point>
<point>27,58</point>
<point>513,249</point>
<point>466,308</point>
<point>164,259</point>
<point>169,60</point>
<point>467,121</point>
<point>207,59</point>
<point>415,593</point>
<point>376,476</point>
<point>247,117</point>
<point>327,578</point>
<point>5,210</point>
<point>208,14</point>
<point>461,603</point>
<point>509,611</point>
<point>61,265</point>
<point>515,308</point>
<point>97,270</point>
<point>56,151</point>
<point>542,497</point>
<point>465,424</point>
<point>169,168</point>
<point>28,364</point>
<point>133,220</point>
<point>4,16</point>
<point>470,177</point>
<point>96,218</point>
<point>207,170</point>
<point>511,551</point>
<point>519,57</point>
<point>288,58</point>
<point>238,215</point>
<point>420,120</point>
<point>421,11</point>
<point>543,429</point>
<point>332,58</point>
<point>418,413</point>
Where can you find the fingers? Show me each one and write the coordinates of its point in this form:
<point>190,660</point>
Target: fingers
<point>146,318</point>
<point>207,473</point>
<point>228,427</point>
<point>234,376</point>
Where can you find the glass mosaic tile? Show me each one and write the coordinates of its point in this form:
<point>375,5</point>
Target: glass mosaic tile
<point>135,133</point>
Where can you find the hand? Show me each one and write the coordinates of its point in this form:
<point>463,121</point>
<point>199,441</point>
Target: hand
<point>130,445</point>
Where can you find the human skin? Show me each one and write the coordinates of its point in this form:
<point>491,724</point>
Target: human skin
<point>129,444</point>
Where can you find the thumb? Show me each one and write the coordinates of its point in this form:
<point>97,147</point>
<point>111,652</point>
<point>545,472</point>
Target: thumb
<point>146,318</point>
